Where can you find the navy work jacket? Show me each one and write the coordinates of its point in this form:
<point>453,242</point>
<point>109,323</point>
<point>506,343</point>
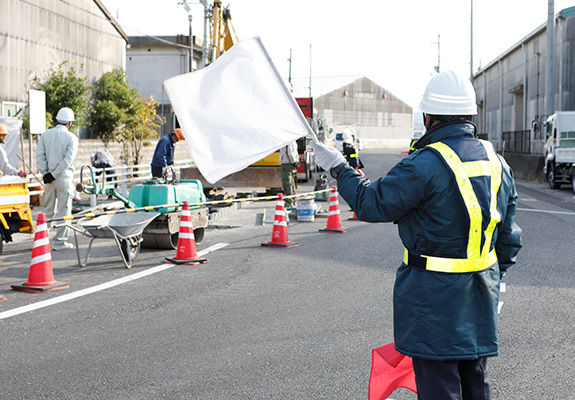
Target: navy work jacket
<point>440,315</point>
<point>164,152</point>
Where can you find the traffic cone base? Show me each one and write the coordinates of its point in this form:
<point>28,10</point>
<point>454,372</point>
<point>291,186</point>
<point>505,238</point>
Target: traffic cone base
<point>342,230</point>
<point>195,261</point>
<point>353,218</point>
<point>280,234</point>
<point>280,245</point>
<point>38,289</point>
<point>333,218</point>
<point>186,253</point>
<point>41,277</point>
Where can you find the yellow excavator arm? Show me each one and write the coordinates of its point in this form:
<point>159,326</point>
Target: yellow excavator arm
<point>223,34</point>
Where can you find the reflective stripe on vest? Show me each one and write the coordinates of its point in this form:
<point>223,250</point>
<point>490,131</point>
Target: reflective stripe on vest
<point>477,258</point>
<point>456,265</point>
<point>353,155</point>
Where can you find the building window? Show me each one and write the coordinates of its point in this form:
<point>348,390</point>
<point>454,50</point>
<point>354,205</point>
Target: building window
<point>12,109</point>
<point>364,95</point>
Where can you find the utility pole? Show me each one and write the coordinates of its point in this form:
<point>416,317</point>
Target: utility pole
<point>550,59</point>
<point>471,46</point>
<point>207,12</point>
<point>437,69</point>
<point>310,70</point>
<point>191,52</point>
<point>190,38</point>
<point>289,76</point>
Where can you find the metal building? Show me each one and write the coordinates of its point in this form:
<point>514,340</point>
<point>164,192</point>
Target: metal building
<point>380,119</point>
<point>151,60</point>
<point>36,34</point>
<point>511,89</point>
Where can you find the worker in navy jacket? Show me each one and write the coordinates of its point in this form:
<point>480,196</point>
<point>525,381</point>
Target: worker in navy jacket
<point>454,201</point>
<point>164,153</point>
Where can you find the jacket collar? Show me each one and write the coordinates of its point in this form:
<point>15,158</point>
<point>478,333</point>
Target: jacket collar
<point>446,131</point>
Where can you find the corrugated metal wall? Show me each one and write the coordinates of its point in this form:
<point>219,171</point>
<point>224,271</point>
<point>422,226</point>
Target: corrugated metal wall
<point>34,34</point>
<point>517,79</point>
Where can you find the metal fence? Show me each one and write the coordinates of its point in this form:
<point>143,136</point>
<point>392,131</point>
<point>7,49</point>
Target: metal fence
<point>120,175</point>
<point>517,142</point>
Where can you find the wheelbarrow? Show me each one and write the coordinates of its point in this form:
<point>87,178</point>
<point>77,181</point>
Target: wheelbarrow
<point>126,230</point>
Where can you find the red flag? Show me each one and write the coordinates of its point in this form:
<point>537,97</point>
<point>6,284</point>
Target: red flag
<point>389,371</point>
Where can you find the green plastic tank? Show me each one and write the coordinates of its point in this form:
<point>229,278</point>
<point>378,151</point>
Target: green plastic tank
<point>163,232</point>
<point>153,194</point>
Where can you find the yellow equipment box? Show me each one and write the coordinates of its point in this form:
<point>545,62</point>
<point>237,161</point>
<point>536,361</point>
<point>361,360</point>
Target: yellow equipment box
<point>15,213</point>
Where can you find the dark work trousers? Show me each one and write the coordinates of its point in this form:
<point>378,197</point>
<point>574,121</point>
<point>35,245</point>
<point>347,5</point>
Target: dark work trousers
<point>452,380</point>
<point>157,172</point>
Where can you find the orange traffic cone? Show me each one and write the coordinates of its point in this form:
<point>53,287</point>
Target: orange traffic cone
<point>2,298</point>
<point>186,253</point>
<point>280,233</point>
<point>333,217</point>
<point>40,277</point>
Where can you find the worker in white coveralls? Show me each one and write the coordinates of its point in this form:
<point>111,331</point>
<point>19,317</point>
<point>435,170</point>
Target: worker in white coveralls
<point>57,149</point>
<point>289,160</point>
<point>5,165</point>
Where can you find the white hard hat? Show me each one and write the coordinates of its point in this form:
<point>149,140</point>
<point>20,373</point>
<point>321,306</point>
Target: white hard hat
<point>348,135</point>
<point>347,138</point>
<point>65,115</point>
<point>447,93</point>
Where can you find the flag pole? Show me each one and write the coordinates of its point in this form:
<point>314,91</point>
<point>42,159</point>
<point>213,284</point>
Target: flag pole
<point>286,91</point>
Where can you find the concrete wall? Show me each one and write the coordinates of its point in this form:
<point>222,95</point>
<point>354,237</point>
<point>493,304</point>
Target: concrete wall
<point>526,167</point>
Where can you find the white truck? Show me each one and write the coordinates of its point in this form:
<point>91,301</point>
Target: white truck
<point>559,165</point>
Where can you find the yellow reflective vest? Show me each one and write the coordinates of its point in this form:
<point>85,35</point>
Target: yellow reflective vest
<point>478,257</point>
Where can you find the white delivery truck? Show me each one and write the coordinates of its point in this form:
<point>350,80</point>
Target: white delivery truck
<point>560,149</point>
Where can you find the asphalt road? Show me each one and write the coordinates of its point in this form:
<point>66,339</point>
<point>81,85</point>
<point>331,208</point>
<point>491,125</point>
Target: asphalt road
<point>263,323</point>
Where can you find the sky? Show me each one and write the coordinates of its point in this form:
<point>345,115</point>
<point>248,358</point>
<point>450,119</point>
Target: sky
<point>392,42</point>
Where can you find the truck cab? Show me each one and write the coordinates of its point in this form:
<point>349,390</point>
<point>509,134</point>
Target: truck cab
<point>559,165</point>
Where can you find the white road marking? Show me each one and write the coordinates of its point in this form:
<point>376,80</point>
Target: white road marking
<point>546,211</point>
<point>103,286</point>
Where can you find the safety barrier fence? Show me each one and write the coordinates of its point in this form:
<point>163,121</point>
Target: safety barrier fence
<point>121,175</point>
<point>175,205</point>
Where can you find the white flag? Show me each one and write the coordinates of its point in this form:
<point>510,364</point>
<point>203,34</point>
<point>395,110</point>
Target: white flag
<point>235,111</point>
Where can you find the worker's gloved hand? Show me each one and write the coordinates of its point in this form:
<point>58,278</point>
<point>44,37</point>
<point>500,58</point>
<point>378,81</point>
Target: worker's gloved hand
<point>327,157</point>
<point>48,178</point>
<point>22,174</point>
<point>297,164</point>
